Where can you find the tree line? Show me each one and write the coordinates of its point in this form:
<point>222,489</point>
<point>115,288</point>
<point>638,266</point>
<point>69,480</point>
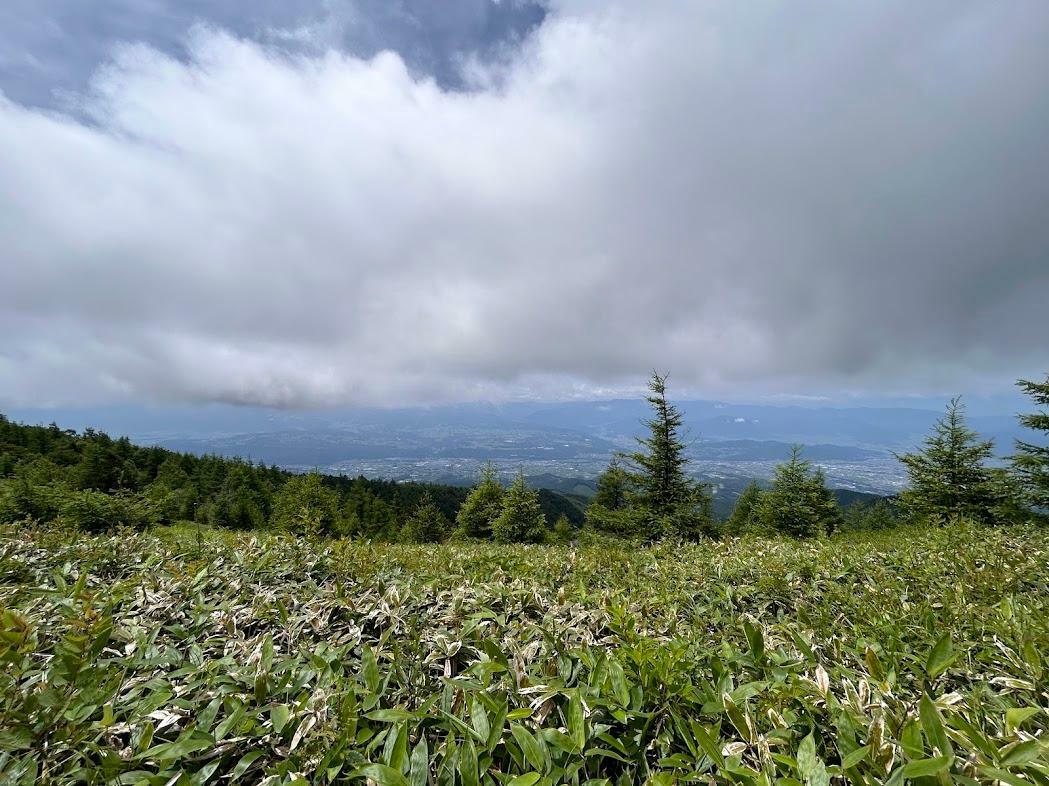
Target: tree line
<point>648,494</point>
<point>91,481</point>
<point>94,482</point>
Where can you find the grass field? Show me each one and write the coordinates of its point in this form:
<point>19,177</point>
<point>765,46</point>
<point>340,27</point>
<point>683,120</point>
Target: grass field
<point>193,657</point>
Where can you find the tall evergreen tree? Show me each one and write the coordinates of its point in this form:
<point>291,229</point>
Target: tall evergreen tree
<point>482,506</point>
<point>661,481</point>
<point>671,502</point>
<point>948,477</point>
<point>521,519</point>
<point>1031,463</point>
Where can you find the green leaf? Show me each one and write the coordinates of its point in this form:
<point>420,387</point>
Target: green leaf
<point>381,774</point>
<point>1004,776</point>
<point>531,748</point>
<point>874,666</point>
<point>619,683</point>
<point>498,725</point>
<point>390,715</point>
<point>708,742</point>
<point>479,719</point>
<point>855,757</point>
<point>245,762</point>
<point>1019,753</point>
<point>941,656</point>
<point>575,722</point>
<point>395,752</point>
<point>739,719</point>
<point>756,641</point>
<point>923,767</point>
<point>932,724</point>
<point>279,716</point>
<point>911,740</point>
<point>419,765</point>
<point>807,759</point>
<point>468,770</point>
<point>370,670</point>
<point>173,751</point>
<point>528,779</point>
<point>1016,717</point>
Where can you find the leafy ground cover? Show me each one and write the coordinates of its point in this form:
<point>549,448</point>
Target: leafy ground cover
<point>192,657</point>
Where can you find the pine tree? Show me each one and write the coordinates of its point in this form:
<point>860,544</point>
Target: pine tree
<point>426,524</point>
<point>1031,463</point>
<point>825,503</point>
<point>304,505</point>
<point>864,516</point>
<point>482,506</point>
<point>563,531</point>
<point>661,481</point>
<point>744,515</point>
<point>240,503</point>
<point>948,477</point>
<point>613,487</point>
<point>521,519</point>
<point>670,502</point>
<point>366,515</point>
<point>610,510</point>
<point>798,503</point>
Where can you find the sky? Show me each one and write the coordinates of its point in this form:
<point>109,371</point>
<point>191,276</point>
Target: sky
<point>315,203</point>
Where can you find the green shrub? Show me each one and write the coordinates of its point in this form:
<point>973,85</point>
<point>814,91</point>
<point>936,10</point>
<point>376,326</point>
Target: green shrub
<point>95,511</point>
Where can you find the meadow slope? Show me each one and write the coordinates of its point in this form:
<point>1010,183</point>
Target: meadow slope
<point>200,656</point>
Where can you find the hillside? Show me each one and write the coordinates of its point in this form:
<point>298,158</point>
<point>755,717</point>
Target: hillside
<point>206,656</point>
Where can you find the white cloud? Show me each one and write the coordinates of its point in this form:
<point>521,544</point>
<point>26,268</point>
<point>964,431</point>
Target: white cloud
<point>757,197</point>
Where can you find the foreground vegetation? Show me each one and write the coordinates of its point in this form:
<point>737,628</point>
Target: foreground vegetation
<point>203,656</point>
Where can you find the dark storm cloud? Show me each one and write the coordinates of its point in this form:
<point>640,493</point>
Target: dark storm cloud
<point>759,197</point>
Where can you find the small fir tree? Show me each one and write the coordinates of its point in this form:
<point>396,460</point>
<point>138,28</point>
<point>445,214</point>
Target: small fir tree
<point>610,510</point>
<point>948,477</point>
<point>869,516</point>
<point>744,515</point>
<point>482,506</point>
<point>798,503</point>
<point>1031,462</point>
<point>306,506</point>
<point>521,519</point>
<point>613,487</point>
<point>426,524</point>
<point>563,531</point>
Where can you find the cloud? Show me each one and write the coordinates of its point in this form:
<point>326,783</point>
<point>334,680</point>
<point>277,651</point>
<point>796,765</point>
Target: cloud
<point>49,48</point>
<point>761,197</point>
